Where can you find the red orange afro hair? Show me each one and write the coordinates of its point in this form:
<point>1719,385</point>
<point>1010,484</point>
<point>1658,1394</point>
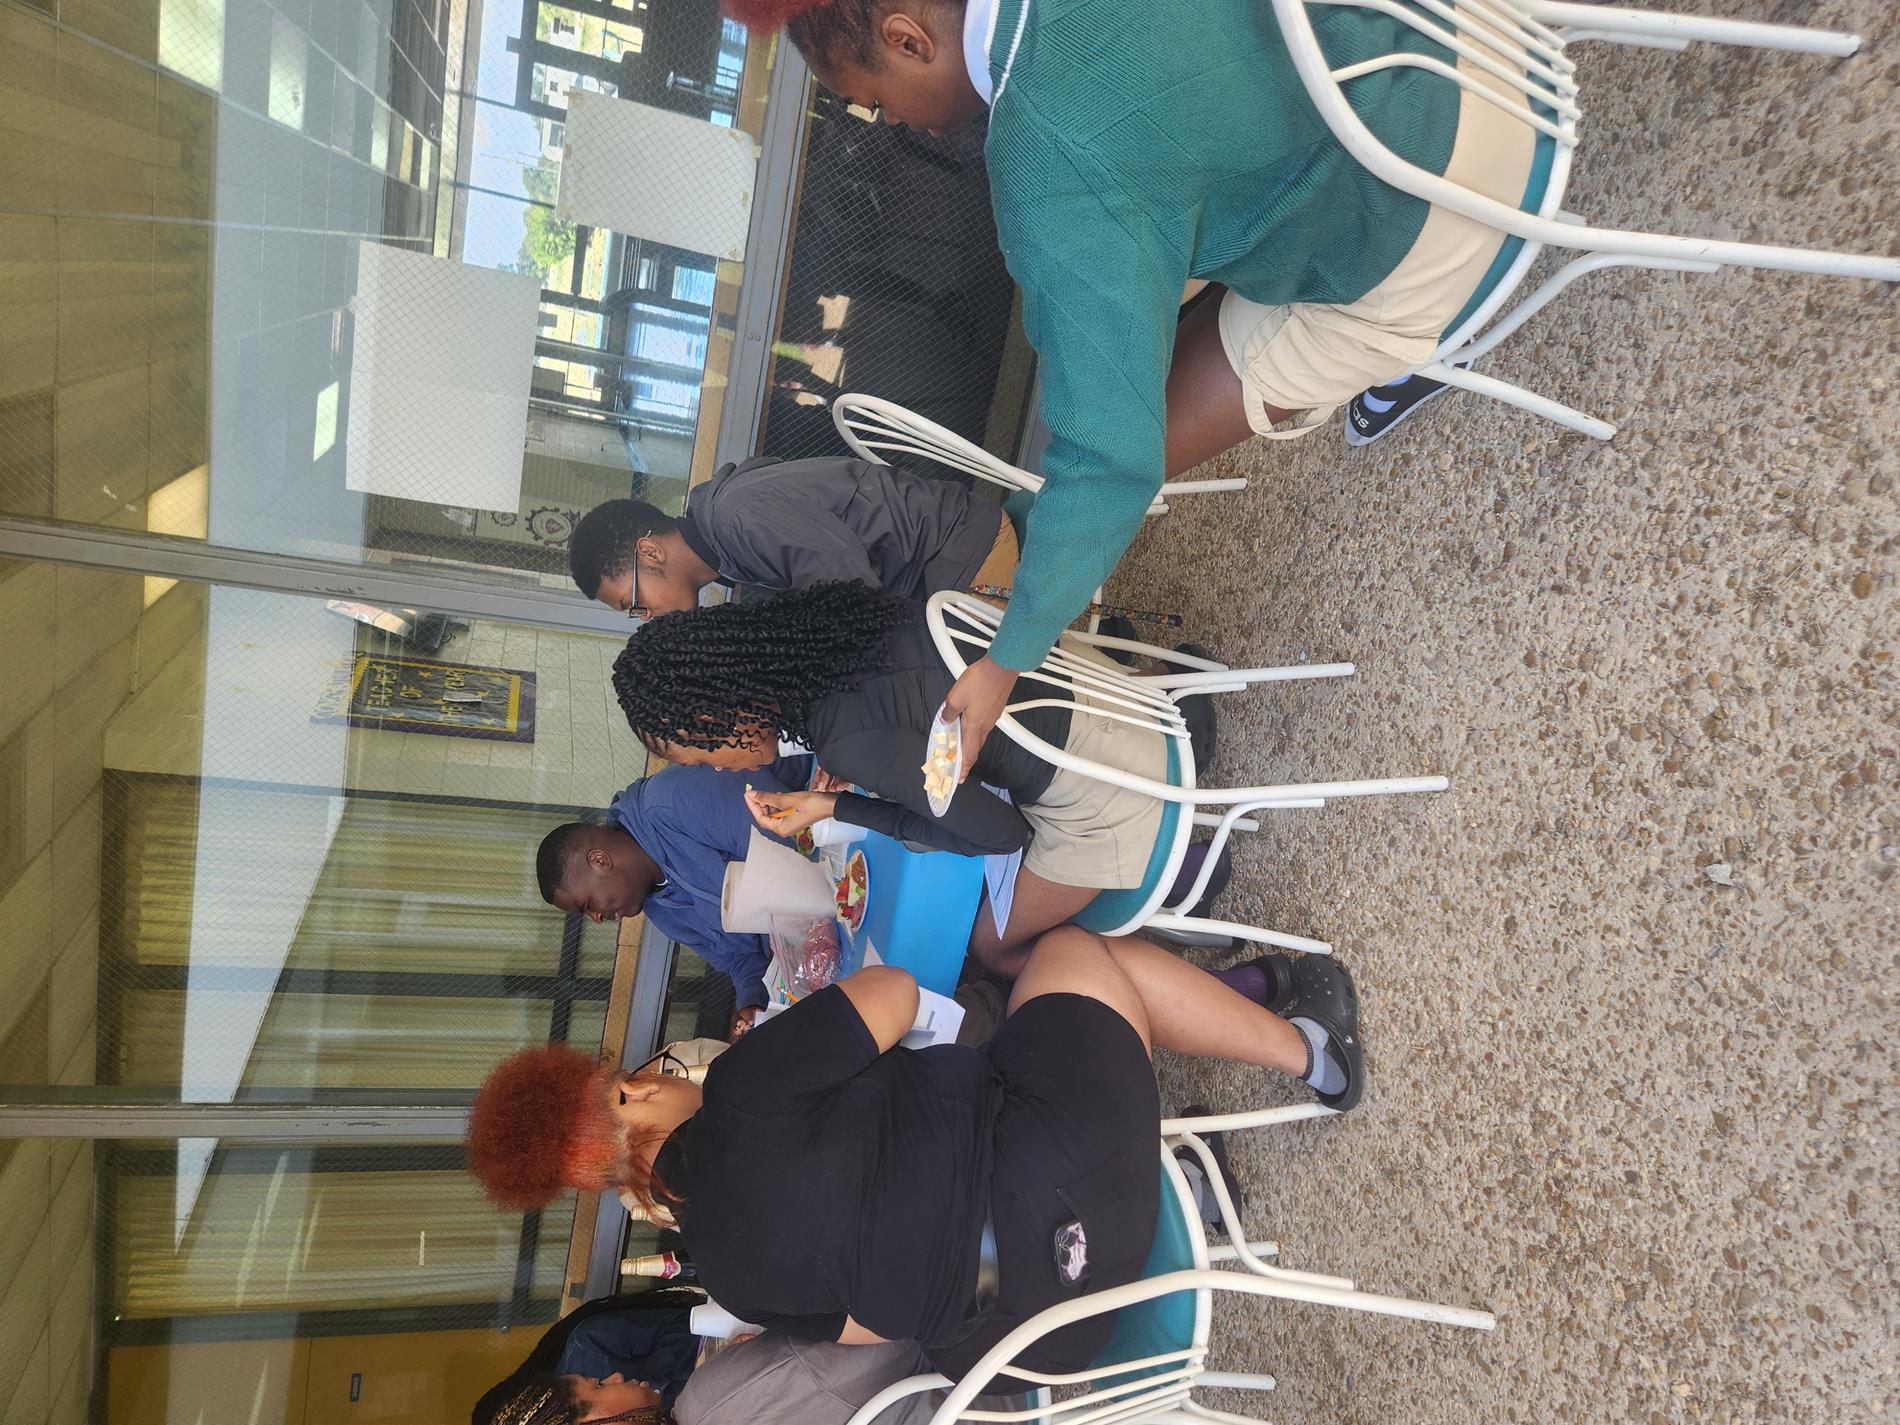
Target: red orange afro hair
<point>541,1124</point>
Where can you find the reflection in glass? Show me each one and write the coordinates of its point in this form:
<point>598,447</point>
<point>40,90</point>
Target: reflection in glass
<point>284,143</point>
<point>274,1281</point>
<point>896,288</point>
<point>191,40</point>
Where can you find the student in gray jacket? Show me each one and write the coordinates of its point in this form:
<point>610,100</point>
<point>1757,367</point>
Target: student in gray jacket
<point>772,525</point>
<point>775,1380</point>
<point>769,1379</point>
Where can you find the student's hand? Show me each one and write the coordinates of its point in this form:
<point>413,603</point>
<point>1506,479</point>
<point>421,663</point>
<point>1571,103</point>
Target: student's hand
<point>823,781</point>
<point>742,1020</point>
<point>979,697</point>
<point>788,813</point>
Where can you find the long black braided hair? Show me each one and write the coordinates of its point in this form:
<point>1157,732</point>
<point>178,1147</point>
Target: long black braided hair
<point>717,676</point>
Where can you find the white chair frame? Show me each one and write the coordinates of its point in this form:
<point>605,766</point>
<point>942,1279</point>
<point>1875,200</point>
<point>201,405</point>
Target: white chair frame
<point>1238,1267</point>
<point>958,621</point>
<point>1522,43</point>
<point>874,427</point>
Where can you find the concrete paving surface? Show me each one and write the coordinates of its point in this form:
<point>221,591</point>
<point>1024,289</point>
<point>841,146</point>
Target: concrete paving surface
<point>1629,987</point>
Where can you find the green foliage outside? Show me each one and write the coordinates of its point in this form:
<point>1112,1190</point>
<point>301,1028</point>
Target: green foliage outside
<point>548,240</point>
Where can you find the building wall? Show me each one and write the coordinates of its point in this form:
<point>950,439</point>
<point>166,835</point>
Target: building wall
<point>407,1378</point>
<point>102,400</point>
<point>80,646</point>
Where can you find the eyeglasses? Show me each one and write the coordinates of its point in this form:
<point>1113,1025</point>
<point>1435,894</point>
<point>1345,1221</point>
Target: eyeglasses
<point>636,609</point>
<point>680,1070</point>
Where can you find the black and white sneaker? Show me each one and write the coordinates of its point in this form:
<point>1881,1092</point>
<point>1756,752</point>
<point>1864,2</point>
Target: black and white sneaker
<point>1375,413</point>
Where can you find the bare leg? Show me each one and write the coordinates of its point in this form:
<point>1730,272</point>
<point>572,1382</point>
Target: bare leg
<point>1168,1001</point>
<point>1040,905</point>
<point>1207,410</point>
<point>1191,1012</point>
<point>1074,961</point>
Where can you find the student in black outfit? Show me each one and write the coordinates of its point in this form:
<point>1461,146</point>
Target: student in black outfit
<point>835,1187</point>
<point>853,675</point>
<point>767,525</point>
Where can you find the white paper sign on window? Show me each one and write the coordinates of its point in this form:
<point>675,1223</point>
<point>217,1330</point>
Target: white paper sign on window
<point>439,377</point>
<point>650,173</point>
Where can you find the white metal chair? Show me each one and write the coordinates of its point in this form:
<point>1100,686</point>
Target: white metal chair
<point>960,621</point>
<point>874,427</point>
<point>1158,1355</point>
<point>1523,44</point>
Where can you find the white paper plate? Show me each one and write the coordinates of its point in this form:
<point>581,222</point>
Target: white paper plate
<point>940,805</point>
<point>864,906</point>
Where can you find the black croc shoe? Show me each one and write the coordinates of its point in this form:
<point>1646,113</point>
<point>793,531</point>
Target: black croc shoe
<point>1202,719</point>
<point>1323,992</point>
<point>1217,1145</point>
<point>1118,626</point>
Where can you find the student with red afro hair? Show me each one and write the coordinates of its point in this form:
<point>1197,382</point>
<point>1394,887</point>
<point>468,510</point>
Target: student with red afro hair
<point>835,1186</point>
<point>1138,148</point>
<point>544,1123</point>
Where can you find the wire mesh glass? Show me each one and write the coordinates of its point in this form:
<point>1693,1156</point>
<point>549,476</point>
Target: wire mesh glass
<point>174,1281</point>
<point>224,880</point>
<point>227,872</point>
<point>300,275</point>
<point>895,288</point>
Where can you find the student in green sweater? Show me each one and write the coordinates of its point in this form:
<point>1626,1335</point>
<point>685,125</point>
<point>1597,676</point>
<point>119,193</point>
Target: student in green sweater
<point>1137,146</point>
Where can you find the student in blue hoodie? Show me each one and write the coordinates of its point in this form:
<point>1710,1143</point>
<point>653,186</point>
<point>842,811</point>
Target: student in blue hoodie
<point>663,852</point>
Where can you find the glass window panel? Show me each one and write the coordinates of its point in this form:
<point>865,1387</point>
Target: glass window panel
<point>669,344</point>
<point>693,284</point>
<point>620,38</point>
<point>182,1281</point>
<point>225,322</point>
<point>898,224</point>
<point>257,894</point>
<point>594,267</point>
<point>212,888</point>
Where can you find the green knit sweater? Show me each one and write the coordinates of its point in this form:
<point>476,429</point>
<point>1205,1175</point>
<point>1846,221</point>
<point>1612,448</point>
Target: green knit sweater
<point>1134,144</point>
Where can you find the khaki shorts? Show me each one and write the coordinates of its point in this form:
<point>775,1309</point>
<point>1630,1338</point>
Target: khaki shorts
<point>1089,833</point>
<point>999,566</point>
<point>1312,358</point>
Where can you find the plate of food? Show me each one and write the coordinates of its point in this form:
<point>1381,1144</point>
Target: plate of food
<point>943,761</point>
<point>854,892</point>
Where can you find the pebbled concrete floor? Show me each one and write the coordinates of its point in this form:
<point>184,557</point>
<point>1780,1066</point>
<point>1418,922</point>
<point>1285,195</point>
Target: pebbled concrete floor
<point>1629,987</point>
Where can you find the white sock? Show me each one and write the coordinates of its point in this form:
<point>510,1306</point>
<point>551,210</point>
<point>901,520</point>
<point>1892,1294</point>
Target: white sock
<point>1325,1076</point>
<point>1197,1180</point>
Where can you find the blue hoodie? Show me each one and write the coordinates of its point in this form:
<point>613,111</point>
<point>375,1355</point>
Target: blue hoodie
<point>693,821</point>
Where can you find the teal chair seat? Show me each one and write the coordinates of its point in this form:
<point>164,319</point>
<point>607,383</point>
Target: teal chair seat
<point>1112,909</point>
<point>1535,186</point>
<point>1154,1328</point>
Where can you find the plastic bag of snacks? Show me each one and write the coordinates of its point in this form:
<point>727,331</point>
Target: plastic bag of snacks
<point>808,952</point>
